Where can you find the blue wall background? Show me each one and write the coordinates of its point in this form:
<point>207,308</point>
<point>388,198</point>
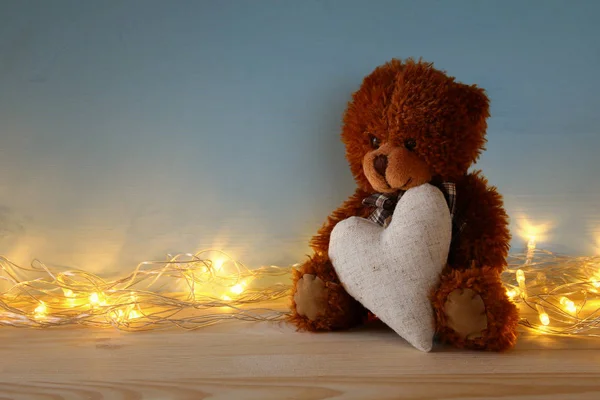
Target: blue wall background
<point>130,129</point>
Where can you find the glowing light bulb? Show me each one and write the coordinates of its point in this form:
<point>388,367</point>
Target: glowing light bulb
<point>568,304</point>
<point>531,243</point>
<point>68,293</point>
<point>41,309</point>
<point>544,318</point>
<point>218,264</point>
<point>595,282</point>
<point>97,299</point>
<point>94,298</point>
<point>117,315</point>
<point>520,276</point>
<point>237,289</point>
<point>226,298</point>
<point>133,314</point>
<point>521,280</point>
<point>512,293</point>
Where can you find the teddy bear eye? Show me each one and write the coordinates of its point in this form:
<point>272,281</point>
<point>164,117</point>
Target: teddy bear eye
<point>410,144</point>
<point>374,141</point>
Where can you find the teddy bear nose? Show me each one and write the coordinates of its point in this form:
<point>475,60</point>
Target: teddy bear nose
<point>380,164</point>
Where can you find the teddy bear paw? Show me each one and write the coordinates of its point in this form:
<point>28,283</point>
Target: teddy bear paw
<point>466,313</point>
<point>310,297</point>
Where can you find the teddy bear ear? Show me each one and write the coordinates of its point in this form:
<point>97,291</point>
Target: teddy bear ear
<point>477,105</point>
<point>474,105</point>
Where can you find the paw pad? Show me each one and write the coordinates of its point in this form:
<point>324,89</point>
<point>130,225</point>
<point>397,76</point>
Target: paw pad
<point>310,297</point>
<point>466,313</point>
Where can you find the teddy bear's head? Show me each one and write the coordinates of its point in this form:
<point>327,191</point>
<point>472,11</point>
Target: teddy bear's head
<point>409,124</point>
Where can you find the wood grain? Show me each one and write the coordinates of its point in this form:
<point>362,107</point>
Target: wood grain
<point>272,361</point>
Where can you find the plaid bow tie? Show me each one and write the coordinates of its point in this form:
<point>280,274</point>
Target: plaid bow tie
<point>385,204</point>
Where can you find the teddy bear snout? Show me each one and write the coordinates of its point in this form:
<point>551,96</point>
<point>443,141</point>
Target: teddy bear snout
<point>380,163</point>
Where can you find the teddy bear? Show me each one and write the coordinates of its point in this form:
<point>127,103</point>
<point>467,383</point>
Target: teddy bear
<point>407,125</point>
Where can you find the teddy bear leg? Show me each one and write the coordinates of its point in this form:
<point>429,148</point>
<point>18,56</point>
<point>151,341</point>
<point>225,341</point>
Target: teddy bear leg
<point>473,311</point>
<point>319,302</point>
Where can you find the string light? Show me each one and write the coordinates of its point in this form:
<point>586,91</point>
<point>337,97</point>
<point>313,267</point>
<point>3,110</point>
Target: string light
<point>192,291</point>
<point>561,291</point>
<point>186,291</point>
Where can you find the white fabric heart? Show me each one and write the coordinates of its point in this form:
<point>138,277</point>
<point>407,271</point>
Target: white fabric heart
<point>392,271</point>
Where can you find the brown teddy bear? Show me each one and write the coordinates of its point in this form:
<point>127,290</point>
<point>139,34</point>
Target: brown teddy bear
<point>407,125</point>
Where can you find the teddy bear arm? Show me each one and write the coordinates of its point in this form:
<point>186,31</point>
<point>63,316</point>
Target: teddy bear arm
<point>483,237</point>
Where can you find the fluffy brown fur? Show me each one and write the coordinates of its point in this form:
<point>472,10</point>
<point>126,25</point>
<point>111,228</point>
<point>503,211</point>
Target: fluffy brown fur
<point>428,128</point>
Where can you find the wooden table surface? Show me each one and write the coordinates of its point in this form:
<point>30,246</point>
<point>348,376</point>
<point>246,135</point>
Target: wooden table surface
<point>242,360</point>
